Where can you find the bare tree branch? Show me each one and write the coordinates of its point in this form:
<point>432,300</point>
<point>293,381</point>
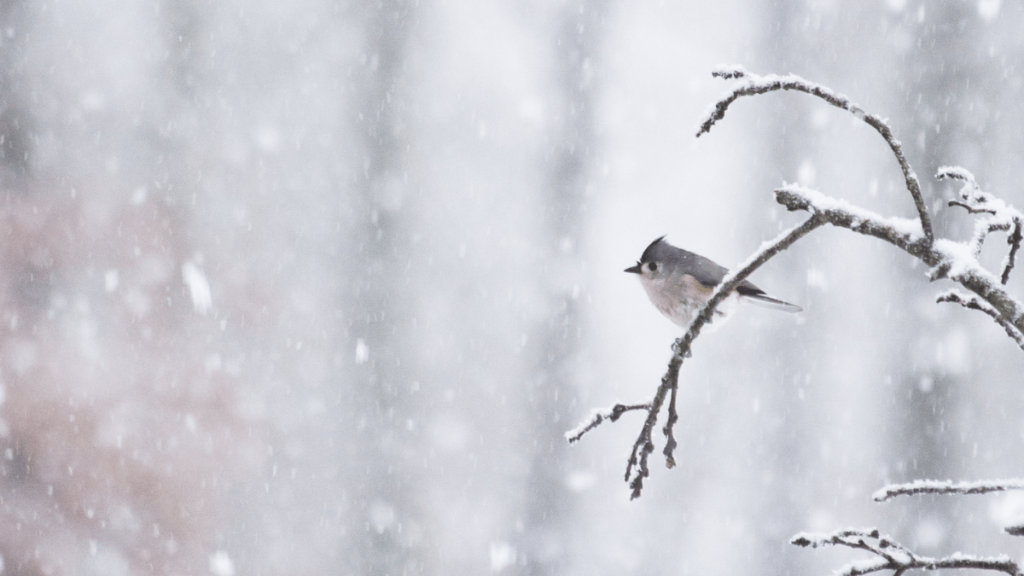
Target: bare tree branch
<point>890,555</point>
<point>969,209</point>
<point>644,444</point>
<point>670,438</point>
<point>973,303</point>
<point>946,487</point>
<point>755,84</point>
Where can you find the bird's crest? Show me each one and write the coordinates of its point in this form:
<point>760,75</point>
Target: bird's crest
<point>648,254</point>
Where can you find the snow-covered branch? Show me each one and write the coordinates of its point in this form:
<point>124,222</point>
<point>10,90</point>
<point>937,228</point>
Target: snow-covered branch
<point>946,487</point>
<point>753,84</point>
<point>1000,216</point>
<point>891,555</point>
<point>973,303</point>
<point>956,261</point>
<point>903,233</point>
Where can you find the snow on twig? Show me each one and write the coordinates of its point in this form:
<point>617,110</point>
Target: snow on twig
<point>891,555</point>
<point>973,303</point>
<point>900,231</point>
<point>946,487</point>
<point>1017,530</point>
<point>947,258</point>
<point>1001,217</point>
<point>668,430</point>
<point>598,416</point>
<point>752,84</point>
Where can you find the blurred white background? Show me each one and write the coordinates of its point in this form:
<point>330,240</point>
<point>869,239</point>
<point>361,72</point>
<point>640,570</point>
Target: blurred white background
<point>317,287</point>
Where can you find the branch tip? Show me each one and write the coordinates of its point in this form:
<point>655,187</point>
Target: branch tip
<point>729,72</point>
<point>598,416</point>
<point>974,303</point>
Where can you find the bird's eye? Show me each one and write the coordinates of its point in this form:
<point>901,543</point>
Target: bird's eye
<point>653,266</point>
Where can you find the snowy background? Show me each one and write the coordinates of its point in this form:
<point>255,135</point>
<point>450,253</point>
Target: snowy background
<point>317,287</point>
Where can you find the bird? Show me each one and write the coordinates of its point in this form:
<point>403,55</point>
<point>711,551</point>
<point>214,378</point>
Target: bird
<point>679,283</point>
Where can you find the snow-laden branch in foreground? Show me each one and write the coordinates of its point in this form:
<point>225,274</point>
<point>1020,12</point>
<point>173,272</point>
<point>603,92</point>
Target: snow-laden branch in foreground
<point>946,487</point>
<point>891,555</point>
<point>753,84</point>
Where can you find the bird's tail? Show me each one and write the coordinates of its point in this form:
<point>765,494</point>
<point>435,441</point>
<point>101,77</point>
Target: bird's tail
<point>766,301</point>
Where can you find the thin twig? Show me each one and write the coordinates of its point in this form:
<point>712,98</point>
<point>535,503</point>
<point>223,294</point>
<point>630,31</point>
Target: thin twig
<point>670,439</point>
<point>1014,240</point>
<point>755,84</point>
<point>644,445</point>
<point>969,208</point>
<point>973,303</point>
<point>982,230</point>
<point>599,417</point>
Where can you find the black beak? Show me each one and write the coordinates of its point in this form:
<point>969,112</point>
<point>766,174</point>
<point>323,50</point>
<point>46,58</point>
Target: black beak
<point>633,269</point>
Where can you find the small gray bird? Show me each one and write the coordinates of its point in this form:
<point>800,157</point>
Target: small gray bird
<point>680,282</point>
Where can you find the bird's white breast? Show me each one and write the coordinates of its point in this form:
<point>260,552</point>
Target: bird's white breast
<point>680,298</point>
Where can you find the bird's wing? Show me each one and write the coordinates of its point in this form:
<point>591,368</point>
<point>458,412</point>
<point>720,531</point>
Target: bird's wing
<point>710,274</point>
